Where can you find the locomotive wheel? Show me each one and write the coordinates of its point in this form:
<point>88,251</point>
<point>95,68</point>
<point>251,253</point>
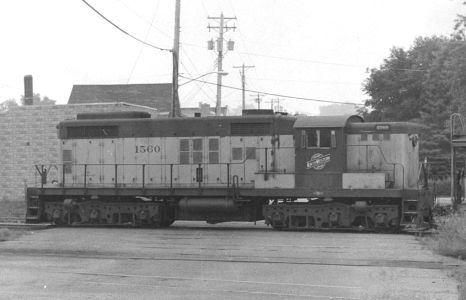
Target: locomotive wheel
<point>279,221</point>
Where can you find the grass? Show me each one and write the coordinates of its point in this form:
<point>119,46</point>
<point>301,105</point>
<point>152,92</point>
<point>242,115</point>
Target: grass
<point>449,239</point>
<point>460,275</point>
<point>450,236</point>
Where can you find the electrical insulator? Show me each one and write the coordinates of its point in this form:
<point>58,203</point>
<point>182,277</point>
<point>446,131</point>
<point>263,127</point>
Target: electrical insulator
<point>231,45</point>
<point>210,45</point>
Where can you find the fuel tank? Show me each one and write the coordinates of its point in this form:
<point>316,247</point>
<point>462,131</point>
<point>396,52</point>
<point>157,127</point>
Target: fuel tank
<point>207,205</point>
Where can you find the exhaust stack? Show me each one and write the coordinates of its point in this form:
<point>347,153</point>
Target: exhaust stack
<point>28,90</point>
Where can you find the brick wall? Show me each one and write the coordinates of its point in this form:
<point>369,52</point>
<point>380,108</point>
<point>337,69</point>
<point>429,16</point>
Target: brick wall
<point>28,137</point>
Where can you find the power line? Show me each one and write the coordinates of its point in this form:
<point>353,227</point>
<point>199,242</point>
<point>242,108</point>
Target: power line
<point>120,29</point>
<point>278,95</point>
<point>309,81</point>
<point>311,61</point>
<point>143,19</point>
<point>325,62</point>
<point>145,38</point>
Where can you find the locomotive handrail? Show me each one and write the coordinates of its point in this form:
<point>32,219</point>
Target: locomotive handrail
<point>86,167</point>
<point>395,164</point>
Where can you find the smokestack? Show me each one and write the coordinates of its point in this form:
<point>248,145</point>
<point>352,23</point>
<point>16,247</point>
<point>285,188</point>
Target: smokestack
<point>28,90</point>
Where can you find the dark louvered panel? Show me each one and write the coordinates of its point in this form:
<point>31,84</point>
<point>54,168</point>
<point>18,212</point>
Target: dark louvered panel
<point>250,128</point>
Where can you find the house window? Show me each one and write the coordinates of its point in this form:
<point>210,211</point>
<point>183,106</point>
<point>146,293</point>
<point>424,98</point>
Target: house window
<point>386,136</point>
<point>364,137</point>
<point>375,137</point>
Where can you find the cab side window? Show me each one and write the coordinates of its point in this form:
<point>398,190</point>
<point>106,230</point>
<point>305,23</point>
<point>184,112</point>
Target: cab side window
<point>321,138</point>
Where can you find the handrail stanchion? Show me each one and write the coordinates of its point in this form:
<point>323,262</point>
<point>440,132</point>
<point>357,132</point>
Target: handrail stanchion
<point>266,175</point>
<point>171,176</point>
<point>116,176</point>
<point>143,175</point>
<point>85,175</point>
<point>228,175</point>
<point>63,175</point>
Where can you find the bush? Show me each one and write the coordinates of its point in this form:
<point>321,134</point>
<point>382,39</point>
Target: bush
<point>442,187</point>
<point>460,275</point>
<point>450,236</point>
<point>449,239</point>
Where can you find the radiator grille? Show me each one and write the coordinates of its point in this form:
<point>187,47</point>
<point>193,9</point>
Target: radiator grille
<point>250,128</point>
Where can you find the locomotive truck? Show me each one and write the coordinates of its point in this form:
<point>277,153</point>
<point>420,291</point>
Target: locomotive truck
<point>293,172</point>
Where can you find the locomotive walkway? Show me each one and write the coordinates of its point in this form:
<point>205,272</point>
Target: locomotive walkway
<point>227,261</point>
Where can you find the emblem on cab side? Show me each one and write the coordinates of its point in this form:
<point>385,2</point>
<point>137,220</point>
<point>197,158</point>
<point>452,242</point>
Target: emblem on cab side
<point>318,161</point>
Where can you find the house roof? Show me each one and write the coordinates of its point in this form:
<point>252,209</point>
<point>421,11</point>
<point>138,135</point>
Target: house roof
<point>152,95</point>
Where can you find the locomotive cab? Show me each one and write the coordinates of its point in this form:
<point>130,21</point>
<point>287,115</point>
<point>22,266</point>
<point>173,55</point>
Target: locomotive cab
<point>321,151</point>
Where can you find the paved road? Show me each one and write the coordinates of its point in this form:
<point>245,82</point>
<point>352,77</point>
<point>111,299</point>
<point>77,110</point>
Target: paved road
<point>226,261</point>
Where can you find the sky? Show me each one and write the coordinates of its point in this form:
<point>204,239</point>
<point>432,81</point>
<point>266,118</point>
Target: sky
<point>301,48</point>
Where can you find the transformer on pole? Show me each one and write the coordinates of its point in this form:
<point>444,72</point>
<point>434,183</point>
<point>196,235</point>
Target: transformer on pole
<point>222,28</point>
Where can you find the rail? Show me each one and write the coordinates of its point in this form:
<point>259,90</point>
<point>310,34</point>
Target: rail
<point>385,161</point>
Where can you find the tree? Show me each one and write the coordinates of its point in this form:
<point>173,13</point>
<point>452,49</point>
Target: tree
<point>37,100</point>
<point>459,32</point>
<point>424,84</point>
<point>7,105</point>
<point>396,87</point>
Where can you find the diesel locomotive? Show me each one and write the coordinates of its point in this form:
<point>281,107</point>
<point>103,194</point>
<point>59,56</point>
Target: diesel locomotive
<point>293,172</point>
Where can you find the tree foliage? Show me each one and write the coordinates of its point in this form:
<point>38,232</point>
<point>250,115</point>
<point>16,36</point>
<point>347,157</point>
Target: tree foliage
<point>38,100</point>
<point>424,84</point>
<point>7,105</point>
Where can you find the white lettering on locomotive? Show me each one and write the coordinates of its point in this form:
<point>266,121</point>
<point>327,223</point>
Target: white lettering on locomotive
<point>147,149</point>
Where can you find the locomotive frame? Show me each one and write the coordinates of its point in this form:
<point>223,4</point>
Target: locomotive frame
<point>296,173</point>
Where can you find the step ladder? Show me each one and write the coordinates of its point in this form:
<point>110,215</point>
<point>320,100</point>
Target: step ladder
<point>418,211</point>
<point>32,209</point>
<point>409,211</point>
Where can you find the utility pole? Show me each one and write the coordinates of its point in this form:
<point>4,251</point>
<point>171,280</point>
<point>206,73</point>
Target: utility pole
<point>278,104</point>
<point>222,28</point>
<point>243,81</point>
<point>175,110</point>
<point>258,99</point>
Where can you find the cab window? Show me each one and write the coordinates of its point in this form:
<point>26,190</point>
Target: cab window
<point>321,138</point>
